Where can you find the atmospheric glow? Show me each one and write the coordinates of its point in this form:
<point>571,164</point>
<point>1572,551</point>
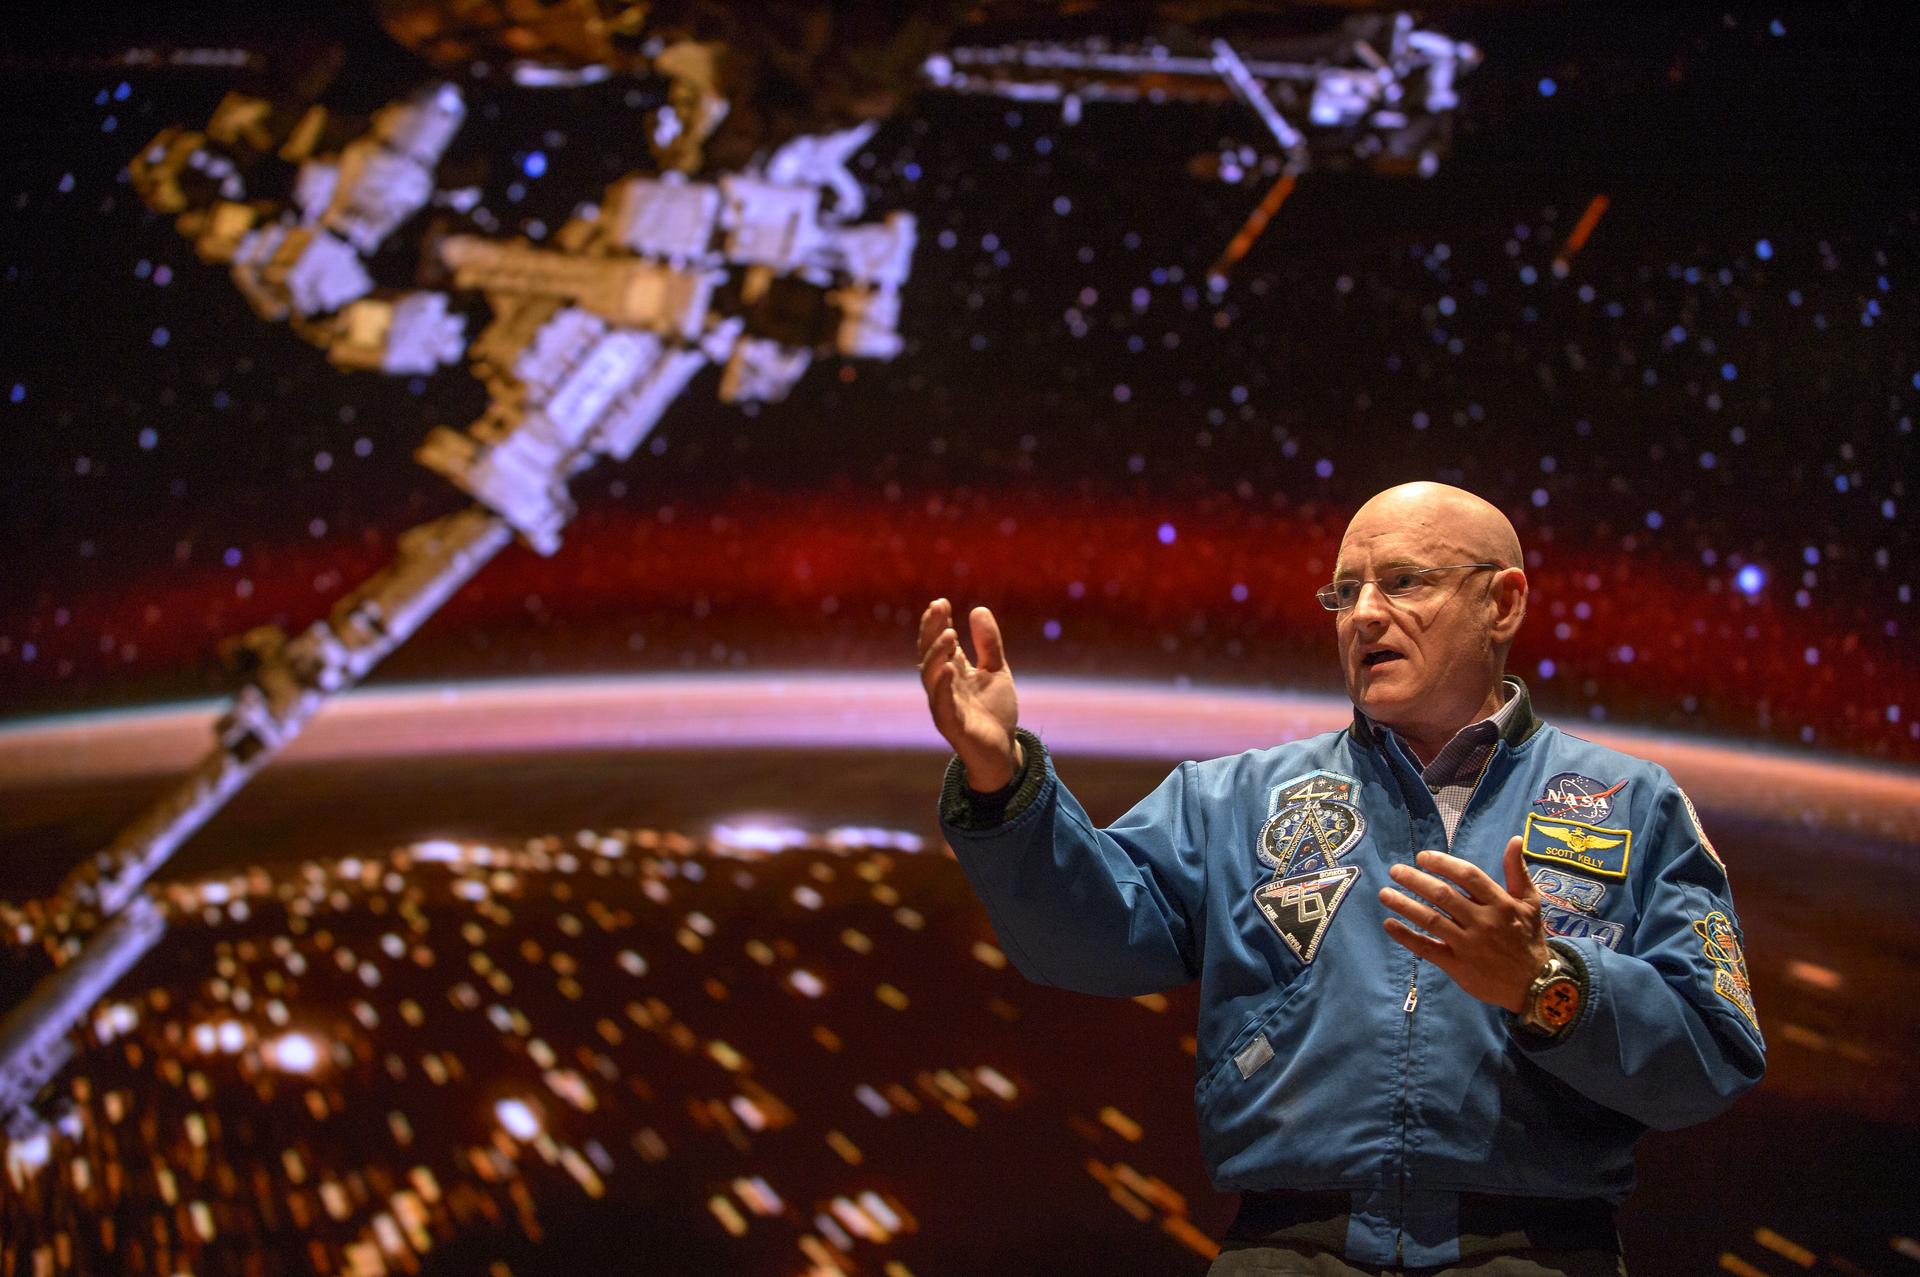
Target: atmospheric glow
<point>1095,718</point>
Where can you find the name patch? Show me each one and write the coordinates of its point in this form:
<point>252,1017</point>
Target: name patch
<point>1578,845</point>
<point>1578,797</point>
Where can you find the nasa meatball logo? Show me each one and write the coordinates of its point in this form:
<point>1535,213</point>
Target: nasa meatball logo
<point>1581,797</point>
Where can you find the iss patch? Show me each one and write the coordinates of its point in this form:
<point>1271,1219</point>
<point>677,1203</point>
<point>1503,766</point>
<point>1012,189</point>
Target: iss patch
<point>1301,907</point>
<point>1579,797</point>
<point>1568,905</point>
<point>1578,844</point>
<point>1312,821</point>
<point>1721,943</point>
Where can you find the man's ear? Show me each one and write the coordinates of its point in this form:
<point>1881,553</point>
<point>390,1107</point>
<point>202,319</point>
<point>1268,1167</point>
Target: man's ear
<point>1509,603</point>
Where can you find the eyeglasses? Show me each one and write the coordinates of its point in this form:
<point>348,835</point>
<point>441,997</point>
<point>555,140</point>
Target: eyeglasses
<point>1398,584</point>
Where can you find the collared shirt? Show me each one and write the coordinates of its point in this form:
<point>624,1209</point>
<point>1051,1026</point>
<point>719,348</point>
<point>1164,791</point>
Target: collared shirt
<point>1456,769</point>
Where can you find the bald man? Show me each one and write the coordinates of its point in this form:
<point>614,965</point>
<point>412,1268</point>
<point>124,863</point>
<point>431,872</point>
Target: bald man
<point>1453,961</point>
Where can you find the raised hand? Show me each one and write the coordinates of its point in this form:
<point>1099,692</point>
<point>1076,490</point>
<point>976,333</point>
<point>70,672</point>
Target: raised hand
<point>1493,942</point>
<point>973,706</point>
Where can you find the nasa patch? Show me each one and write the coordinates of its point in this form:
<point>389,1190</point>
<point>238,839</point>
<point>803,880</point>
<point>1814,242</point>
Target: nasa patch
<point>1580,797</point>
<point>1311,822</point>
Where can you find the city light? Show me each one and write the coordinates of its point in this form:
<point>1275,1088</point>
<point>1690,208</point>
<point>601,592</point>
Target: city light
<point>758,836</point>
<point>292,1053</point>
<point>518,1119</point>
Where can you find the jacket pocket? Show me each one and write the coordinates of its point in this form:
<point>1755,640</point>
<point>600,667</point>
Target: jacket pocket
<point>1260,1022</point>
<point>1273,1122</point>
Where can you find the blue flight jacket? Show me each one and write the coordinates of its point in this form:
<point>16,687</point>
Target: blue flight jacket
<point>1329,1058</point>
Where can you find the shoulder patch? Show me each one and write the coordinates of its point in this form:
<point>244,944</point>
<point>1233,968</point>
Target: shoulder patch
<point>1721,943</point>
<point>1312,821</point>
<point>1577,844</point>
<point>1699,830</point>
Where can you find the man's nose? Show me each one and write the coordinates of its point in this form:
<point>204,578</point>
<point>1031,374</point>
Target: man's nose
<point>1370,606</point>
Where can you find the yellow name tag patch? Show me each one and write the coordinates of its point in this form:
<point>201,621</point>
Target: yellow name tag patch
<point>1575,843</point>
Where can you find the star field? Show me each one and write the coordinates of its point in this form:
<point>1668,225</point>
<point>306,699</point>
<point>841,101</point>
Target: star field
<point>1700,418</point>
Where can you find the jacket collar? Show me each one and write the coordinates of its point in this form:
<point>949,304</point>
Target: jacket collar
<point>1521,723</point>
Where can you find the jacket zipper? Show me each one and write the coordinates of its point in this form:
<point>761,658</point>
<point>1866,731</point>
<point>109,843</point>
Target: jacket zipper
<point>1406,1093</point>
<point>1406,1105</point>
<point>1408,1008</point>
<point>1412,1002</point>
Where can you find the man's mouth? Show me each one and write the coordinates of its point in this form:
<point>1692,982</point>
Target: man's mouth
<point>1380,657</point>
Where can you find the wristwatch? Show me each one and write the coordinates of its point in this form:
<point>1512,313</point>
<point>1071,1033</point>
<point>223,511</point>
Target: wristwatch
<point>1553,999</point>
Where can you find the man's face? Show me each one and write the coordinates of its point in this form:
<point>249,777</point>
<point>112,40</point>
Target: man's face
<point>1425,659</point>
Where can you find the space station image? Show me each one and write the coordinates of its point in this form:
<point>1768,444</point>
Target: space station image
<point>477,473</point>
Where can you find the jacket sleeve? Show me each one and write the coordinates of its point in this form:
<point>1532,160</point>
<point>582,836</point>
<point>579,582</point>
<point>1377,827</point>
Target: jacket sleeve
<point>1668,1034</point>
<point>1106,911</point>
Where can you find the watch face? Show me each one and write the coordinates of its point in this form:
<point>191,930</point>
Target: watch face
<point>1558,1003</point>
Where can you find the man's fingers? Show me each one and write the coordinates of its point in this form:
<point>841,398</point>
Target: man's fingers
<point>1471,881</point>
<point>959,656</point>
<point>986,640</point>
<point>937,677</point>
<point>1519,881</point>
<point>1437,892</point>
<point>1420,913</point>
<point>938,656</point>
<point>937,617</point>
<point>1418,945</point>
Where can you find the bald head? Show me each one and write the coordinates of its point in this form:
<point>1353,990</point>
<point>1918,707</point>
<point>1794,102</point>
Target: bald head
<point>1462,522</point>
<point>1427,659</point>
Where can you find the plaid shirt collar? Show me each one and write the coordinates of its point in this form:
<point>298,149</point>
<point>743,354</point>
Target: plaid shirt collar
<point>1459,759</point>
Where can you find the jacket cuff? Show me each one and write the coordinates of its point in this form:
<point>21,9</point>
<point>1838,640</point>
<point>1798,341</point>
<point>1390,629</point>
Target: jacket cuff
<point>964,807</point>
<point>1534,1040</point>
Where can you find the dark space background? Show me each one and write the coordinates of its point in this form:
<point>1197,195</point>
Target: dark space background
<point>1723,380</point>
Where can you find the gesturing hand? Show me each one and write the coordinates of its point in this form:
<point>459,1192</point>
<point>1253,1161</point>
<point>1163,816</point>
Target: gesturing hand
<point>973,705</point>
<point>1491,942</point>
